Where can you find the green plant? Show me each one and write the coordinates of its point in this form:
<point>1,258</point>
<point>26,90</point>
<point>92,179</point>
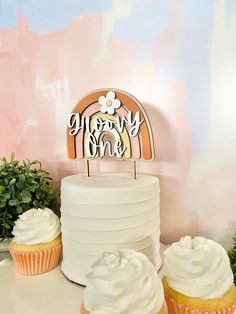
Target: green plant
<point>22,186</point>
<point>232,257</point>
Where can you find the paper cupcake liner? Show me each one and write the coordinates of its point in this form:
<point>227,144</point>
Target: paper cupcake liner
<point>82,310</point>
<point>35,263</point>
<point>175,308</point>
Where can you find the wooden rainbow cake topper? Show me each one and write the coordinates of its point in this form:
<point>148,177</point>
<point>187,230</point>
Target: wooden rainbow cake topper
<point>109,121</point>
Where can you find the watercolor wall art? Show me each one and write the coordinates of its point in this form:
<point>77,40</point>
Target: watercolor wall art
<point>177,57</point>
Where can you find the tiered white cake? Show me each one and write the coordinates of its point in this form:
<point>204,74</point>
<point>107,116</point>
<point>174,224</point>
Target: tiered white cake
<point>107,212</point>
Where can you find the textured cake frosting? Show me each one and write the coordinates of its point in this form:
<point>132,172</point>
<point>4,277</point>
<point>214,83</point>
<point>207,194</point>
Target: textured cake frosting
<point>36,226</point>
<point>198,268</point>
<point>108,212</point>
<point>121,283</point>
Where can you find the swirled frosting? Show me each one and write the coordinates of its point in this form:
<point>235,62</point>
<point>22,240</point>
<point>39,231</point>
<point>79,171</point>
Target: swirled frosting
<point>36,226</point>
<point>198,268</point>
<point>121,283</point>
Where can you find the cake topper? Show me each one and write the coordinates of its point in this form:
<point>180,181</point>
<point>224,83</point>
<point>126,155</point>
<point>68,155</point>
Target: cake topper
<point>109,122</point>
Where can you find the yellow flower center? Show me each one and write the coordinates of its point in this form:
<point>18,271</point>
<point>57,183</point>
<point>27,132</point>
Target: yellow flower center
<point>109,103</point>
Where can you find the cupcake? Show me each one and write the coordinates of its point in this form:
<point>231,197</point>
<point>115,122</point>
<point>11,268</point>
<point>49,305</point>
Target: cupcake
<point>36,246</point>
<point>123,283</point>
<point>198,278</point>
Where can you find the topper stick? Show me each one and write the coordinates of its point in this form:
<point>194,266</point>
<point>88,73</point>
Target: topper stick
<point>87,168</point>
<point>134,173</point>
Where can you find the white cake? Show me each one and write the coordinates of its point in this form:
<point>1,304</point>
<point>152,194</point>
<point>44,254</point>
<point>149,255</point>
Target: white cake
<point>108,212</point>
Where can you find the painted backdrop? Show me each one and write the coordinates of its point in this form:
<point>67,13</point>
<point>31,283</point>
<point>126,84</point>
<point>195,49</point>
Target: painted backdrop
<point>177,57</point>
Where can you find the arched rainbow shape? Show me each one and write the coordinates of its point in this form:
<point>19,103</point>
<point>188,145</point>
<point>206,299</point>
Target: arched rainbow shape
<point>124,136</point>
<point>95,108</point>
<point>140,146</point>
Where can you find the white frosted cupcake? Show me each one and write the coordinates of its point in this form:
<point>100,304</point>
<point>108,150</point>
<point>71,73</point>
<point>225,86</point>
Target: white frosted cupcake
<point>123,283</point>
<point>36,246</point>
<point>198,278</point>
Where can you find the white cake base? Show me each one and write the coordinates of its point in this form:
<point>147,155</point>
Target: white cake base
<point>108,212</point>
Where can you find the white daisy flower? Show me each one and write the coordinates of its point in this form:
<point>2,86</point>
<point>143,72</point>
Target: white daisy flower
<point>109,103</point>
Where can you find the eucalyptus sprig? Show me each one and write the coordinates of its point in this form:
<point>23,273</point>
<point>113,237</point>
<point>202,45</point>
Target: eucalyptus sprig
<point>232,257</point>
<point>22,186</point>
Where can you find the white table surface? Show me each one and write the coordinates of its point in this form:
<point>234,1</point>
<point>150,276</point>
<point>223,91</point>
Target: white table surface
<point>50,293</point>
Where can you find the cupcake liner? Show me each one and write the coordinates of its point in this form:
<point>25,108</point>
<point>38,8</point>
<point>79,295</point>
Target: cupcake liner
<point>35,263</point>
<point>175,308</point>
<point>82,310</point>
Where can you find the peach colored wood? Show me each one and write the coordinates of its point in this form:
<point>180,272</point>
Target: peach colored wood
<point>145,130</point>
<point>135,141</point>
<point>134,171</point>
<point>131,104</point>
<point>124,136</point>
<point>94,109</point>
<point>87,166</point>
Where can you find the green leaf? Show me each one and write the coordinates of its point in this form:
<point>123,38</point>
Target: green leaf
<point>35,203</point>
<point>5,225</point>
<point>38,195</point>
<point>13,181</point>
<point>13,155</point>
<point>26,199</point>
<point>22,185</point>
<point>15,162</point>
<point>34,162</point>
<point>33,188</point>
<point>13,202</point>
<point>2,203</point>
<point>26,191</point>
<point>22,177</point>
<point>2,189</point>
<point>8,215</point>
<point>19,210</point>
<point>232,257</point>
<point>50,190</point>
<point>7,196</point>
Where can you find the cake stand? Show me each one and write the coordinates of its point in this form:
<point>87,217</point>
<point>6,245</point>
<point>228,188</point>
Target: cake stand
<point>50,293</point>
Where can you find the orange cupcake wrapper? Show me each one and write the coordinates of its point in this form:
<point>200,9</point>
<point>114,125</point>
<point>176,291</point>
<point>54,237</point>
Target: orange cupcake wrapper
<point>175,308</point>
<point>35,263</point>
<point>82,310</point>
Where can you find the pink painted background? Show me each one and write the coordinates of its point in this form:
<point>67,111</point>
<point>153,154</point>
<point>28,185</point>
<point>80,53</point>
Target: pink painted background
<point>176,57</point>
